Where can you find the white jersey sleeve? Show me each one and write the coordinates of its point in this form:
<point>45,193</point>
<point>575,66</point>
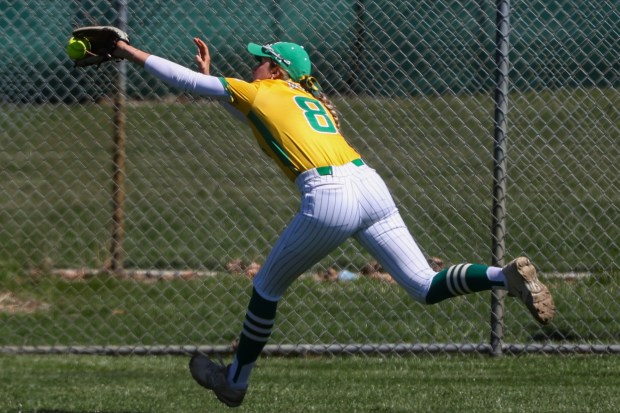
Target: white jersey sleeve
<point>185,79</point>
<point>190,81</point>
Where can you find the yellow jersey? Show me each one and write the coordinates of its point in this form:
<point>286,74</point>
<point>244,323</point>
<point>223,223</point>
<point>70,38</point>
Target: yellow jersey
<point>291,126</point>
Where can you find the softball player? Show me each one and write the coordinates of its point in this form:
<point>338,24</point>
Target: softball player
<point>341,197</point>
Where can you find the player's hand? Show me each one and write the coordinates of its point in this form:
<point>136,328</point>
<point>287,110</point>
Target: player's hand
<point>203,58</point>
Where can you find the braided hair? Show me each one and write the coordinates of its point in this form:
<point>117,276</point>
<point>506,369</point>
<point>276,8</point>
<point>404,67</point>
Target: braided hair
<point>311,86</point>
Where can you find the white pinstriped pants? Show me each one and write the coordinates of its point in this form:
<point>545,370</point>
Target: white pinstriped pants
<point>352,202</point>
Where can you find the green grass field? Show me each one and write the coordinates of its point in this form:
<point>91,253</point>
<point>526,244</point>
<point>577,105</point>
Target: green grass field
<point>72,384</point>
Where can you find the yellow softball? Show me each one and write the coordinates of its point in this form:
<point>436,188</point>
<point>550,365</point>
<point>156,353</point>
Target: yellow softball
<point>77,48</point>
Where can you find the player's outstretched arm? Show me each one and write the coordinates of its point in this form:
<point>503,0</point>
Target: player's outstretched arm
<point>172,73</point>
<point>124,50</point>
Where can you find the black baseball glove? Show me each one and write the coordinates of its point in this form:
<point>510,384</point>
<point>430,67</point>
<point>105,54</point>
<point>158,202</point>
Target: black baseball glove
<point>102,40</point>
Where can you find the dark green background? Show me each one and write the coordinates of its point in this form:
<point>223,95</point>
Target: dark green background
<point>373,47</point>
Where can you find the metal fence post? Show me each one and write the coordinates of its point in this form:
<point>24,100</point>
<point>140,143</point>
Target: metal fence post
<point>499,167</point>
<point>119,155</point>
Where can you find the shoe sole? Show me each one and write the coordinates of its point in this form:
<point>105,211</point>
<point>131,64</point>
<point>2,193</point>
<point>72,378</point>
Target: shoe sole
<point>531,291</point>
<point>197,364</point>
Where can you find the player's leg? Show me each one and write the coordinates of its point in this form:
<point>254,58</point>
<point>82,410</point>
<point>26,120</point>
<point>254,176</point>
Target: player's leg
<point>391,243</point>
<point>388,239</point>
<point>305,242</point>
<point>464,279</point>
<point>327,218</point>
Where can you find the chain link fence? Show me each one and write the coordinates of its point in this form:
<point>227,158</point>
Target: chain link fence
<point>167,265</point>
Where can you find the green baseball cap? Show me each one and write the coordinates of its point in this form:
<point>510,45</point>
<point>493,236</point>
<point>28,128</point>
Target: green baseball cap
<point>289,56</point>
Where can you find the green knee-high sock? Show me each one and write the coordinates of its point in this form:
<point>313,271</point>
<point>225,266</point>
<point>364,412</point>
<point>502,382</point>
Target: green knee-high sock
<point>257,327</point>
<point>459,280</point>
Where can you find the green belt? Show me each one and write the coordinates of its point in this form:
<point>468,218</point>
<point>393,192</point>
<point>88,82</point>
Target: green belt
<point>329,170</point>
